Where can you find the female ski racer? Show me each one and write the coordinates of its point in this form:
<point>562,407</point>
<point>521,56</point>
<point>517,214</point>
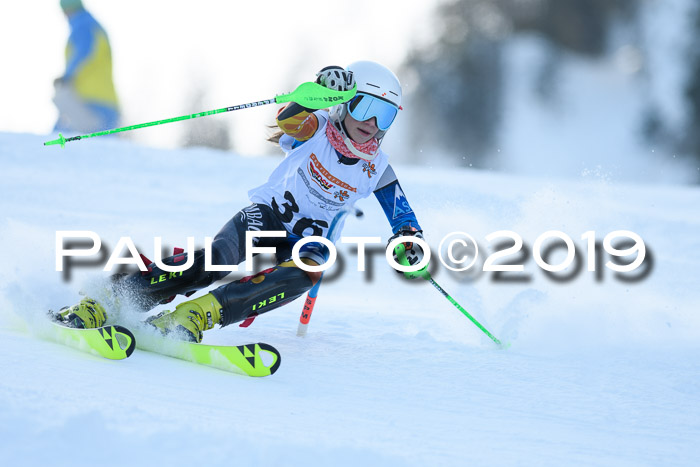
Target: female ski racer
<point>333,159</point>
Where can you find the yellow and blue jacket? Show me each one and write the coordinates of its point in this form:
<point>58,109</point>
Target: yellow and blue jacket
<point>89,63</point>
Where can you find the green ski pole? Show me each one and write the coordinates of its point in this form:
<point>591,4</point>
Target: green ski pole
<point>459,307</point>
<point>311,95</point>
<point>401,254</point>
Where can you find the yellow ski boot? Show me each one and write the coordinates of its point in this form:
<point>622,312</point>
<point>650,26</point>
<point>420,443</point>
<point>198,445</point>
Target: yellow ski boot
<point>190,318</point>
<point>86,314</point>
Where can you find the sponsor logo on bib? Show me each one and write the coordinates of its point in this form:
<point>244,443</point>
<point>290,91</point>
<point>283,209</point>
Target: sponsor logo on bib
<point>325,179</point>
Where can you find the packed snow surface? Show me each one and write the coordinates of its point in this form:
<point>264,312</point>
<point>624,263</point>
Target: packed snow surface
<point>603,368</point>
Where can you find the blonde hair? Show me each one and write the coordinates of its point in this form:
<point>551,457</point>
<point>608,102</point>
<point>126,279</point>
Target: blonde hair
<point>274,138</point>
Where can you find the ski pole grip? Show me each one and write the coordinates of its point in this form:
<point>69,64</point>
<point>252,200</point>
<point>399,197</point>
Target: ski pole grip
<point>400,251</point>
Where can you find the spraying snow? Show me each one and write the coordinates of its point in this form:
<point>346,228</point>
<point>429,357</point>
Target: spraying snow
<point>602,368</point>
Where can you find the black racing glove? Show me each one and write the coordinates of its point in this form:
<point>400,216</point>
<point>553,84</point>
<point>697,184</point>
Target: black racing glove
<point>413,251</point>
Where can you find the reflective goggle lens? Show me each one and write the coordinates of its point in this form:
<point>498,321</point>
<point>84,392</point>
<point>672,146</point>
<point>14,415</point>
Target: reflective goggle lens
<point>363,107</point>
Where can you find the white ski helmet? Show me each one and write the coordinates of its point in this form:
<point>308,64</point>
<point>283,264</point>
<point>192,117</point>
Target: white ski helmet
<point>374,80</point>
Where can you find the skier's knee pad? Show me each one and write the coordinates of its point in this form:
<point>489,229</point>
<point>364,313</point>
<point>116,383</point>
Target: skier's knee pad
<point>261,292</point>
<point>157,286</point>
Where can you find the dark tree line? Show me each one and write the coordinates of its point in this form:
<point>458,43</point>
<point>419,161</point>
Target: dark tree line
<point>460,78</point>
<point>690,143</point>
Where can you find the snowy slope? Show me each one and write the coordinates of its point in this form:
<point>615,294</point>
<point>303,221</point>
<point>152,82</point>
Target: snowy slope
<point>599,372</point>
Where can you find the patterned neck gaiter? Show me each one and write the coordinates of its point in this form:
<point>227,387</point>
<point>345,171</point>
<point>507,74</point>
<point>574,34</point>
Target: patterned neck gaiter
<point>337,141</point>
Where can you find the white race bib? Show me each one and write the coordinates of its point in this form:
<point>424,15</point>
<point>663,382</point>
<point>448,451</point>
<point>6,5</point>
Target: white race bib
<point>309,187</point>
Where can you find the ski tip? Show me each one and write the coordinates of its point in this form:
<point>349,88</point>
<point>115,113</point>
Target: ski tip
<point>112,341</point>
<point>277,357</point>
<point>125,338</point>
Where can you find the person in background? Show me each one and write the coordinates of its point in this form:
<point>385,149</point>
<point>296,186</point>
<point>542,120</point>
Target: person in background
<point>85,94</point>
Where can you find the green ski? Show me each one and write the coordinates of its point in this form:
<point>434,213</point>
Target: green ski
<point>113,342</point>
<point>251,360</point>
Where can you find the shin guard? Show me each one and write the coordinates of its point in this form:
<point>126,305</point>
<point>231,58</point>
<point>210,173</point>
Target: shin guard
<point>155,286</point>
<point>265,291</point>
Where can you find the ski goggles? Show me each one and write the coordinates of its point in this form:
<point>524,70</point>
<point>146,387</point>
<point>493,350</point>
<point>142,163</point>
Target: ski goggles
<point>363,107</point>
